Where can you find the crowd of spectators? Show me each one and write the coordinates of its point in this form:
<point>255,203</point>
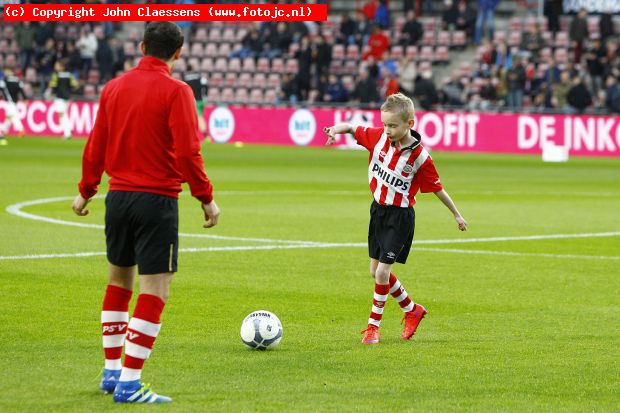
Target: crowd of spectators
<point>558,63</point>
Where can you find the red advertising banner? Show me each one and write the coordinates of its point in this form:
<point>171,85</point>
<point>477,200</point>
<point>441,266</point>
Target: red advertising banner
<point>464,132</point>
<point>169,12</point>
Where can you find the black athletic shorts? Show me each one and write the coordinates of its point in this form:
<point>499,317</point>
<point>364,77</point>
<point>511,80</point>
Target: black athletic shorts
<point>142,228</point>
<point>390,233</point>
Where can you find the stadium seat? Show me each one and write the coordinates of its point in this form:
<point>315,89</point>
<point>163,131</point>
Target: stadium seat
<point>428,38</point>
<point>273,80</point>
<point>459,38</point>
<point>514,39</point>
<point>93,76</point>
<point>425,66</point>
<point>411,52</point>
<point>213,95</point>
<point>4,46</point>
<point>338,52</point>
<point>181,65</point>
<point>215,35</point>
<point>277,65</point>
<point>292,49</point>
<point>89,91</point>
<point>270,96</point>
<point>216,79</point>
<point>231,79</point>
<point>561,39</point>
<point>245,80</point>
<point>240,34</point>
<point>262,65</point>
<point>229,35</point>
<point>248,64</point>
<point>224,50</point>
<point>465,68</point>
<point>197,50</point>
<point>234,64</point>
<point>426,53</point>
<point>221,64</point>
<point>210,50</point>
<point>241,95</point>
<point>227,95</point>
<point>561,55</point>
<point>256,96</point>
<point>206,65</point>
<point>399,23</point>
<point>31,75</point>
<point>397,52</point>
<point>292,66</point>
<point>259,80</point>
<point>348,82</point>
<point>499,36</point>
<point>516,24</point>
<point>201,35</point>
<point>443,38</point>
<point>353,52</point>
<point>442,55</point>
<point>428,23</point>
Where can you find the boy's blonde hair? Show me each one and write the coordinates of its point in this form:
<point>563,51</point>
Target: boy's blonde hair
<point>399,104</point>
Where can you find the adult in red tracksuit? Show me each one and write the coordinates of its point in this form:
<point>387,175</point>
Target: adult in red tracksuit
<point>145,139</point>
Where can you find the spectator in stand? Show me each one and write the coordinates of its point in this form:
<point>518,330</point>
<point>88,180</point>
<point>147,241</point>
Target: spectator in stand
<point>347,31</point>
<point>611,55</point>
<point>373,68</point>
<point>425,90</point>
<point>304,58</point>
<point>278,39</point>
<point>578,32</point>
<point>406,76</point>
<point>365,90</point>
<point>502,57</point>
<point>452,90</point>
<point>251,45</point>
<point>465,18</point>
<point>45,32</point>
<point>515,77</point>
<point>606,25</point>
<point>579,97</point>
<point>105,60</point>
<point>87,45</point>
<point>553,10</point>
<point>532,42</point>
<point>488,93</point>
<point>73,60</point>
<point>378,43</point>
<point>412,31</point>
<point>289,90</point>
<point>560,92</point>
<point>46,58</point>
<point>370,9</point>
<point>335,92</point>
<point>321,55</point>
<point>542,98</point>
<point>486,15</point>
<point>118,56</point>
<point>382,15</point>
<point>389,83</point>
<point>387,63</point>
<point>595,58</point>
<point>25,34</point>
<point>364,30</point>
<point>448,15</point>
<point>552,74</point>
<point>612,94</point>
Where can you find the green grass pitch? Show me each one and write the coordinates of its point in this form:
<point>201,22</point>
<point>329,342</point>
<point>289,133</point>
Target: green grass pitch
<point>515,324</point>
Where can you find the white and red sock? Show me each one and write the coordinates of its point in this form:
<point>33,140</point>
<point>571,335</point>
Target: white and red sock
<point>400,295</point>
<point>141,334</point>
<point>378,302</point>
<point>114,317</point>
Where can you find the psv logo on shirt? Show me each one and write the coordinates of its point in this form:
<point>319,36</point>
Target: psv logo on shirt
<point>408,168</point>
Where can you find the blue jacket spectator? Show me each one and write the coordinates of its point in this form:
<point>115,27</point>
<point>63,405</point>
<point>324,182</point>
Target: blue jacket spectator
<point>382,16</point>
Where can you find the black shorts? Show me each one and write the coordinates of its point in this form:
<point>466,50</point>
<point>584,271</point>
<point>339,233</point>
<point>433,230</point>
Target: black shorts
<point>390,233</point>
<point>142,228</point>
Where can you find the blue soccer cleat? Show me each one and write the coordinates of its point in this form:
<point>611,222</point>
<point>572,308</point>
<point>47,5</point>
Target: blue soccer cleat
<point>109,380</point>
<point>136,392</point>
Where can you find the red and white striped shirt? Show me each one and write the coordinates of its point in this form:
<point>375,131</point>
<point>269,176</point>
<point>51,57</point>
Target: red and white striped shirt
<point>396,175</point>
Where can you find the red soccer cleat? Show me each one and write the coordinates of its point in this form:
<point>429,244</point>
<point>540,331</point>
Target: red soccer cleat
<point>371,335</point>
<point>412,319</point>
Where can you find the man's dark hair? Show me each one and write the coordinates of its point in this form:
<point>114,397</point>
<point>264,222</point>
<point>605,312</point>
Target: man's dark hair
<point>162,39</point>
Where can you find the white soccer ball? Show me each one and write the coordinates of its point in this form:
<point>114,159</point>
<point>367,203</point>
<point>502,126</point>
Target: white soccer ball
<point>261,330</point>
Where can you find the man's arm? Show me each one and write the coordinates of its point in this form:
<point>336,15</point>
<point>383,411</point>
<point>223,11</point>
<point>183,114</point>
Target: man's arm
<point>447,201</point>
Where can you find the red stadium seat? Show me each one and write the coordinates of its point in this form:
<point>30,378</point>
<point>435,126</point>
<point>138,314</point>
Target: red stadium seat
<point>221,64</point>
<point>262,65</point>
<point>270,96</point>
<point>201,35</point>
<point>442,55</point>
<point>213,95</point>
<point>215,35</point>
<point>206,65</point>
<point>338,52</point>
<point>210,50</point>
<point>277,65</point>
<point>234,64</point>
<point>224,50</point>
<point>561,39</point>
<point>259,80</point>
<point>197,50</point>
<point>228,95</point>
<point>256,96</point>
<point>292,66</point>
<point>353,52</point>
<point>428,39</point>
<point>245,80</point>
<point>231,79</point>
<point>241,95</point>
<point>216,79</point>
<point>426,53</point>
<point>273,80</point>
<point>411,52</point>
<point>248,64</point>
<point>397,52</point>
<point>443,38</point>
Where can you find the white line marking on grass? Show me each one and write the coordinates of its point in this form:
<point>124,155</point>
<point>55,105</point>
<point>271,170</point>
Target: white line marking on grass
<point>322,245</point>
<point>520,254</point>
<point>519,238</point>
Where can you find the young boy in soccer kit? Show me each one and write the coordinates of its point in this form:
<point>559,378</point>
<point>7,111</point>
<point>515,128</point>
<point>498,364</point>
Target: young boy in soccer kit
<point>398,167</point>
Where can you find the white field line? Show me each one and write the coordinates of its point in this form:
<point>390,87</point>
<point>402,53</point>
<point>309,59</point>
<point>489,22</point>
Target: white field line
<point>323,245</point>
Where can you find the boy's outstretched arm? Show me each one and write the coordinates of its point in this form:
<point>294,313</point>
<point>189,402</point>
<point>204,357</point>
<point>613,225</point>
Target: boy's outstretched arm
<point>447,201</point>
<point>332,131</point>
